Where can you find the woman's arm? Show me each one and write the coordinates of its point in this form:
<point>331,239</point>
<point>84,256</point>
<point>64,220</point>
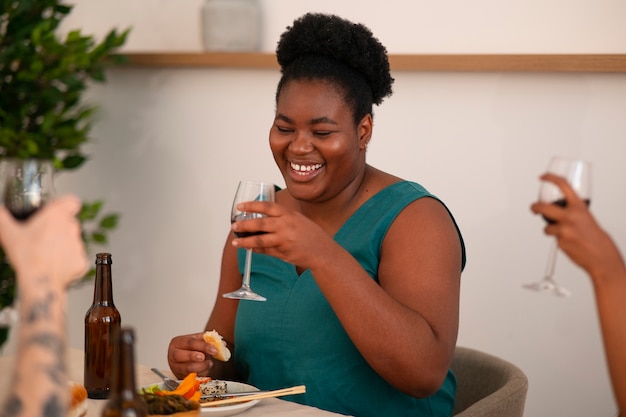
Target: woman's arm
<point>590,247</point>
<point>610,292</point>
<point>224,311</point>
<point>405,326</point>
<point>190,353</point>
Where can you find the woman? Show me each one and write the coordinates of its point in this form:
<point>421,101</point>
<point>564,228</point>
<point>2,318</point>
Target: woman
<point>361,268</point>
<point>591,248</point>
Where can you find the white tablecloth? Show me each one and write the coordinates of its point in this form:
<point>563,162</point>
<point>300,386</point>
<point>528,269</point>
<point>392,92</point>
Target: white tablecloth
<point>265,408</point>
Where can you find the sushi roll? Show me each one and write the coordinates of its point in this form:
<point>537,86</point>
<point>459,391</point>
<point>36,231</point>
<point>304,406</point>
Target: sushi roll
<point>213,386</point>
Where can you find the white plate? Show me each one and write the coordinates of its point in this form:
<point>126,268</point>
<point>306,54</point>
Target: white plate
<point>224,410</point>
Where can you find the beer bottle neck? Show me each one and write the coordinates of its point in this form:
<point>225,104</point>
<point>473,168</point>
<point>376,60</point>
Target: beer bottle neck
<point>124,399</point>
<point>103,288</point>
<point>123,383</point>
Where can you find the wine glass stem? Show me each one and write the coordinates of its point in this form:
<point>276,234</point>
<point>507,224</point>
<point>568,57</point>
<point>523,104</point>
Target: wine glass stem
<point>551,261</point>
<point>247,267</point>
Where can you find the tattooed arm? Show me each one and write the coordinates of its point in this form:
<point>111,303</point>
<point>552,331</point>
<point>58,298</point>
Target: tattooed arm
<point>47,254</point>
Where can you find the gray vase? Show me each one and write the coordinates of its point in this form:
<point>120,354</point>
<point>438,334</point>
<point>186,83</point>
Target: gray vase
<point>231,25</point>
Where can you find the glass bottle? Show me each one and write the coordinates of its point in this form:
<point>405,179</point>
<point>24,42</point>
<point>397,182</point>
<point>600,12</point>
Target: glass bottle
<point>102,322</point>
<point>125,400</point>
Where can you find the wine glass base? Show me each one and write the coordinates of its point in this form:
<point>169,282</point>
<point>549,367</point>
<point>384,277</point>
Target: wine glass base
<point>244,294</point>
<point>547,286</point>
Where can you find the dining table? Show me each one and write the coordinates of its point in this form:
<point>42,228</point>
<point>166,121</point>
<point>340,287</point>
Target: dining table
<point>266,407</point>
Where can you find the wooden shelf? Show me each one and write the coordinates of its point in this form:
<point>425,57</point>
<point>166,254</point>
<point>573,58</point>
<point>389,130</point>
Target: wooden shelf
<point>606,63</point>
<point>509,63</point>
<point>199,59</point>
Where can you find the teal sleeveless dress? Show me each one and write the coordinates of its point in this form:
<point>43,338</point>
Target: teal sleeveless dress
<point>294,338</point>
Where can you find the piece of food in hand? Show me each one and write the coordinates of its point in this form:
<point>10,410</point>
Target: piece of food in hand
<point>170,405</point>
<point>213,338</point>
<point>78,400</point>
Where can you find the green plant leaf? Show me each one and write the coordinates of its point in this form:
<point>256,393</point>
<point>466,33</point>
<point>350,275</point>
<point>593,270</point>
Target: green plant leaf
<point>62,9</point>
<point>89,211</point>
<point>109,222</point>
<point>99,237</point>
<point>73,161</point>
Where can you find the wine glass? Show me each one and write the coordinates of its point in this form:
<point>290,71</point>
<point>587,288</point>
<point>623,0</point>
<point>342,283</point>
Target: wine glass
<point>27,185</point>
<point>578,174</point>
<point>249,191</point>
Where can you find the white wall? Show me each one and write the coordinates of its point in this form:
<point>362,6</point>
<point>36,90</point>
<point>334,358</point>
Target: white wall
<point>171,145</point>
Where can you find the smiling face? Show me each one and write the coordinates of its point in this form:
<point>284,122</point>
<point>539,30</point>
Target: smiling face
<point>315,142</point>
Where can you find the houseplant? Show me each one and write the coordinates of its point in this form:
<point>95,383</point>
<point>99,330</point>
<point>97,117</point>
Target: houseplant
<point>42,79</point>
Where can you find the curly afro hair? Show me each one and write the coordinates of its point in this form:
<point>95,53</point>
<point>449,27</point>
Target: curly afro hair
<point>327,47</point>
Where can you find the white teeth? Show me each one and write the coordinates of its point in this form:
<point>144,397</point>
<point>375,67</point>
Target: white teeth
<point>305,168</point>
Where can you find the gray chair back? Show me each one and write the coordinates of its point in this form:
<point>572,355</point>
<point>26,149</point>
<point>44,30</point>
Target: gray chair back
<point>487,386</point>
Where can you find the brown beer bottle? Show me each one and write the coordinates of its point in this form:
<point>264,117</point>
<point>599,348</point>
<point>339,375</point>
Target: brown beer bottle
<point>124,400</point>
<point>102,322</point>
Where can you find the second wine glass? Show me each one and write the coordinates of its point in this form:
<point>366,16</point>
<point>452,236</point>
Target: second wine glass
<point>578,175</point>
<point>249,191</point>
<point>27,184</point>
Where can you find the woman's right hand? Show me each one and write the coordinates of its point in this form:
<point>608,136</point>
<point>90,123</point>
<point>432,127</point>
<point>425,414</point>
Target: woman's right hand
<point>578,233</point>
<point>190,353</point>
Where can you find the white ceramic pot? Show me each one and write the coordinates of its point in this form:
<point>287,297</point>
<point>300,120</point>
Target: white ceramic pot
<point>231,25</point>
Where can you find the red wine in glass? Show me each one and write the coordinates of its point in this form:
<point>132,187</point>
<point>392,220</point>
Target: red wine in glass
<point>245,216</point>
<point>27,186</point>
<point>563,203</point>
<point>23,214</point>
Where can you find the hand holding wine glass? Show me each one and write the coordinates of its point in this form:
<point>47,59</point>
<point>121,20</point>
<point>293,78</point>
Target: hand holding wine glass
<point>27,185</point>
<point>249,191</point>
<point>578,175</point>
